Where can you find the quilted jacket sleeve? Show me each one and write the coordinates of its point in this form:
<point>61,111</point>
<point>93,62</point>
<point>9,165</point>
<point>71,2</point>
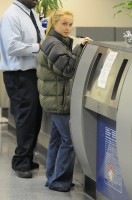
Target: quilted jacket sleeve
<point>60,60</point>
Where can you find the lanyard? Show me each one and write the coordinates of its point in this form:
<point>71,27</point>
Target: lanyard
<point>22,9</point>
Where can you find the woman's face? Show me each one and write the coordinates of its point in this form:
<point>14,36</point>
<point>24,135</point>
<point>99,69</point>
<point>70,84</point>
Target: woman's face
<point>64,25</point>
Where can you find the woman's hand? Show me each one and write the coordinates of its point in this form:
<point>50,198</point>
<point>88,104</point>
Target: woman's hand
<point>85,40</point>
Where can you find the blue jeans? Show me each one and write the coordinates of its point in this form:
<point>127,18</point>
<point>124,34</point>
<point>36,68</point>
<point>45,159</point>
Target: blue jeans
<point>61,155</point>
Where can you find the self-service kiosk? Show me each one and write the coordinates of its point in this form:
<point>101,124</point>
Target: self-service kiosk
<point>101,119</point>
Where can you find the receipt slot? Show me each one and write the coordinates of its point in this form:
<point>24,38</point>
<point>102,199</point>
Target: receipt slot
<point>101,119</point>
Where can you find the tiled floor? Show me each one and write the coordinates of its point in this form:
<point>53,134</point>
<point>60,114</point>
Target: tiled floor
<point>14,188</point>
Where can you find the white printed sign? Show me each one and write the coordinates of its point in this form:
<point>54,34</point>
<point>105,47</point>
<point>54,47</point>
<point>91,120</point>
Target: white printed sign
<point>106,69</point>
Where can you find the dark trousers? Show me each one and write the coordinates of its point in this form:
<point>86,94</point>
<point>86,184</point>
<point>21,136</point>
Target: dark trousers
<point>22,90</point>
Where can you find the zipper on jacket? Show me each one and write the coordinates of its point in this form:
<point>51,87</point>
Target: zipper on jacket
<point>63,93</point>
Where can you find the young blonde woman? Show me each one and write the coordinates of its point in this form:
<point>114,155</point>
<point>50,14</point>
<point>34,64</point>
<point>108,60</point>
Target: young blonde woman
<point>57,64</point>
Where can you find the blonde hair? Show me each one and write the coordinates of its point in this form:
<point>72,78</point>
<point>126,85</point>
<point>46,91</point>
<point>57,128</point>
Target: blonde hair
<point>55,17</point>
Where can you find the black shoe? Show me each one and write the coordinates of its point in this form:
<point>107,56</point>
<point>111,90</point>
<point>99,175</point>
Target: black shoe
<point>34,165</point>
<point>46,184</point>
<point>60,189</point>
<point>26,174</point>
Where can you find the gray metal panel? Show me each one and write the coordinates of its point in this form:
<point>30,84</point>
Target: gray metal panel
<point>83,135</point>
<point>84,121</point>
<point>105,101</point>
<point>97,33</point>
<point>124,132</point>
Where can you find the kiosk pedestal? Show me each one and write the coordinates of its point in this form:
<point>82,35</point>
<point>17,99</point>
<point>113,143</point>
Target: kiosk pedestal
<point>101,119</point>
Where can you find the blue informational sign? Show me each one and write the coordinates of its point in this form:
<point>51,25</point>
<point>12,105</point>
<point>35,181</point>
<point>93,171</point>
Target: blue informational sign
<point>44,22</point>
<point>109,181</point>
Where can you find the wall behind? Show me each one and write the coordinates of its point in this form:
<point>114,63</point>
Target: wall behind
<point>4,5</point>
<point>96,13</point>
<point>90,12</point>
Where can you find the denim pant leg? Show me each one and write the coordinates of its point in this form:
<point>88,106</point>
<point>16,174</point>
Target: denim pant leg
<point>63,170</point>
<point>53,147</point>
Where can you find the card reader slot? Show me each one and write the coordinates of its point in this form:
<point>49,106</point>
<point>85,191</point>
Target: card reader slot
<point>118,79</point>
<point>92,73</point>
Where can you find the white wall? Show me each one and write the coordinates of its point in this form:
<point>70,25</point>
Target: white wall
<point>4,5</point>
<point>96,13</point>
<point>90,12</point>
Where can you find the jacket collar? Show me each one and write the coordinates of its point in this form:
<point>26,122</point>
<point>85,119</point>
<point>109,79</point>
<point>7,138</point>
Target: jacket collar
<point>67,41</point>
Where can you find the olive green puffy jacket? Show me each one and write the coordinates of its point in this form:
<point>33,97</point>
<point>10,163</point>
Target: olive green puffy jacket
<point>57,64</point>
